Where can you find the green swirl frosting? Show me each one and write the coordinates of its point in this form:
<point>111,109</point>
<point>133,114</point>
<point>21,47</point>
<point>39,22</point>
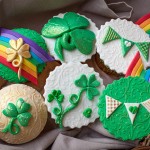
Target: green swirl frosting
<point>126,90</point>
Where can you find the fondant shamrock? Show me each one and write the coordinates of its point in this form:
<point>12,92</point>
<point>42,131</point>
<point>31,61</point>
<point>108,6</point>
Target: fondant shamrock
<point>19,113</point>
<point>87,85</point>
<point>20,50</point>
<point>70,33</point>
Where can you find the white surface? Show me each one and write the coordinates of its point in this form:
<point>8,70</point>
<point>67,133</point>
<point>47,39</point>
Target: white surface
<point>63,78</point>
<point>111,52</point>
<point>131,115</point>
<point>75,55</point>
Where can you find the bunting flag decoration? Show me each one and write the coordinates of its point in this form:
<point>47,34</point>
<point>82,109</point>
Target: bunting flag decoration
<point>111,105</point>
<point>144,23</point>
<point>111,35</point>
<point>21,54</point>
<point>144,49</point>
<point>132,109</point>
<point>127,44</point>
<point>146,104</point>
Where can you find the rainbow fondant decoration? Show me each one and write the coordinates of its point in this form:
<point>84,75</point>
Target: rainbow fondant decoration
<point>136,68</point>
<point>144,23</point>
<point>29,65</point>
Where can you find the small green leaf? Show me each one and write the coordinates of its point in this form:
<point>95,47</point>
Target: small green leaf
<point>50,98</point>
<point>58,93</point>
<point>93,82</point>
<point>87,112</point>
<point>57,111</point>
<point>54,93</point>
<point>10,111</point>
<point>60,98</point>
<point>76,21</point>
<point>59,49</point>
<point>81,82</point>
<point>91,92</point>
<point>84,40</point>
<point>55,28</point>
<point>24,118</point>
<point>74,99</point>
<point>133,109</point>
<point>22,106</point>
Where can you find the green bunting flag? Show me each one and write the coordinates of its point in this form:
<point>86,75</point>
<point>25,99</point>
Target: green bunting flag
<point>144,49</point>
<point>111,35</point>
<point>127,44</point>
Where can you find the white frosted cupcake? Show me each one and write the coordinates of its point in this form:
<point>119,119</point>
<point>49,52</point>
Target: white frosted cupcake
<point>118,41</point>
<point>71,94</point>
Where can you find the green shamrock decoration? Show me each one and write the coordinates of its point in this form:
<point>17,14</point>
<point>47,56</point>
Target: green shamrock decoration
<point>90,86</point>
<point>70,33</point>
<point>19,113</point>
<point>87,85</point>
<point>87,112</point>
<point>133,109</point>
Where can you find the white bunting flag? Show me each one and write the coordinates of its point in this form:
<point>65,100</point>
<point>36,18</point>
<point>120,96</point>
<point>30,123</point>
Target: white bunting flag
<point>111,105</point>
<point>132,109</point>
<point>146,104</point>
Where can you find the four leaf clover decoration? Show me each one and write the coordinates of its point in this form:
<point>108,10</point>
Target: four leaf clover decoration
<point>17,112</point>
<point>70,33</point>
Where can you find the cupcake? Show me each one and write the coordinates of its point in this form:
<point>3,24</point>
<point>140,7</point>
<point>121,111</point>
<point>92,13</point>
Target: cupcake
<point>23,114</point>
<point>23,55</point>
<point>124,108</point>
<point>71,94</point>
<point>118,41</point>
<point>70,37</point>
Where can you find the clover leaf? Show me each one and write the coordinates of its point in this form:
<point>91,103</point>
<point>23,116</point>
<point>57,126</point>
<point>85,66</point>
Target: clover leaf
<point>76,21</point>
<point>24,118</point>
<point>10,111</point>
<point>22,106</point>
<point>91,93</point>
<point>55,28</point>
<point>92,82</point>
<point>81,82</point>
<point>87,112</point>
<point>83,40</point>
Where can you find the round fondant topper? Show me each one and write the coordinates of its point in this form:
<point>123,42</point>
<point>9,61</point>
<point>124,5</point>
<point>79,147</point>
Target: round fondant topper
<point>124,108</point>
<point>118,41</point>
<point>71,94</point>
<point>70,37</point>
<point>23,114</point>
<point>23,54</point>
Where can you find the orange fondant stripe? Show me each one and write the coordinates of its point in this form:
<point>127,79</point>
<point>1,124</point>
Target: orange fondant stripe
<point>139,70</point>
<point>145,23</point>
<point>24,73</point>
<point>138,64</point>
<point>24,67</point>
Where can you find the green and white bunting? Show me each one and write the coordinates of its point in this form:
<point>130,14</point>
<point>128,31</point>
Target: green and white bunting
<point>126,44</point>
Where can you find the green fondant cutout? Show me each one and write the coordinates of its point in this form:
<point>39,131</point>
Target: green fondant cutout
<point>144,49</point>
<point>17,112</point>
<point>87,85</point>
<point>127,44</point>
<point>87,112</point>
<point>111,35</point>
<point>71,33</point>
<point>76,21</point>
<point>133,109</point>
